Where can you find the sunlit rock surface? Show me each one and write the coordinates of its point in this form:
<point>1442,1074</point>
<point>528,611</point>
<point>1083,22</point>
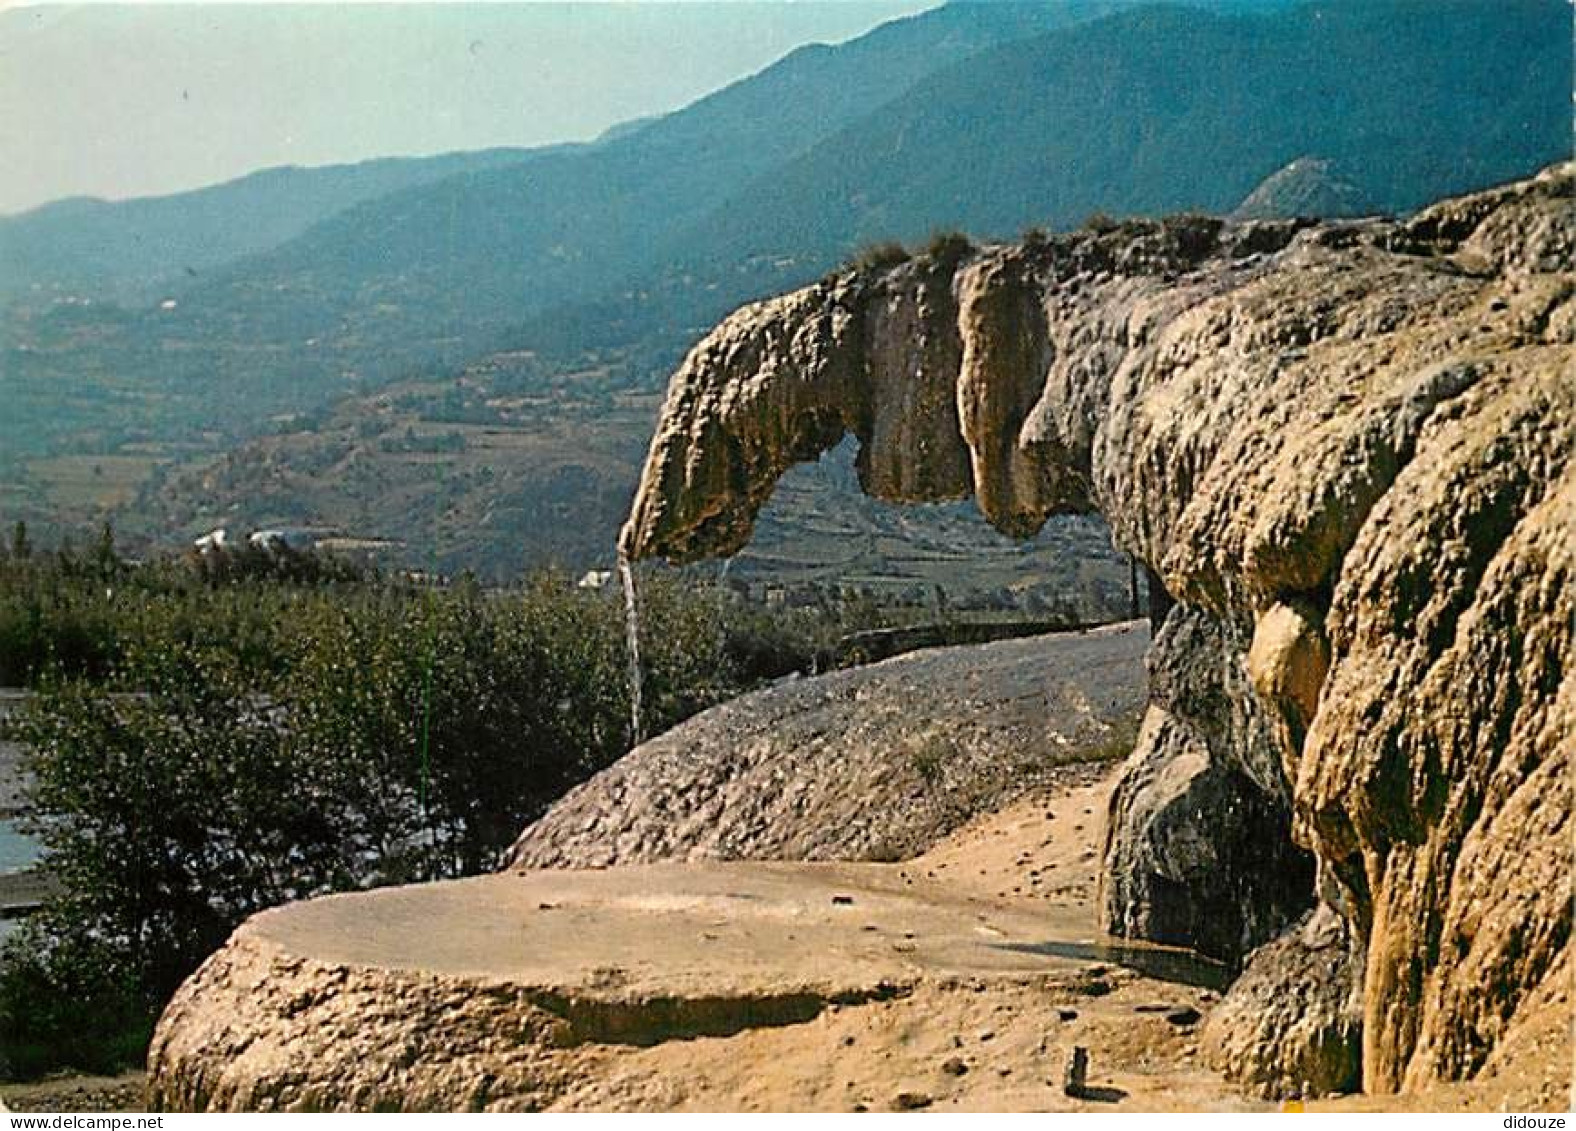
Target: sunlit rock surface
<point>1346,444</point>
<point>877,762</point>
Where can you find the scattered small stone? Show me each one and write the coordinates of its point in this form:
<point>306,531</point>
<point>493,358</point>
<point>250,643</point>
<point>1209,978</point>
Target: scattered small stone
<point>1094,987</point>
<point>1004,1071</point>
<point>859,1107</point>
<point>1075,1077</point>
<point>843,900</point>
<point>1067,1015</point>
<point>957,1041</point>
<point>547,907</point>
<point>1151,1007</point>
<point>954,1066</point>
<point>911,1101</point>
<point>987,1035</point>
<point>1184,1016</point>
<point>848,1042</point>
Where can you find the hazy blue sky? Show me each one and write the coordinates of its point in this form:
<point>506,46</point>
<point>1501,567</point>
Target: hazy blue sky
<point>127,100</point>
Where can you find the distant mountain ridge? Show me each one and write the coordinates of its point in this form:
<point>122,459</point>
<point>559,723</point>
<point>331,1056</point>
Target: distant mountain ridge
<point>1309,186</point>
<point>598,266</point>
<point>129,250</point>
<point>559,229</point>
<point>1166,108</point>
<point>1158,108</point>
<point>437,274</point>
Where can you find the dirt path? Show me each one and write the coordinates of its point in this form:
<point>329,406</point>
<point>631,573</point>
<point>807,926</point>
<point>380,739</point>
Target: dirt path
<point>77,1093</point>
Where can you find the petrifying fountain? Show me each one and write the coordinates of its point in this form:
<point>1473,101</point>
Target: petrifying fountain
<point>1344,450</point>
<point>637,677</point>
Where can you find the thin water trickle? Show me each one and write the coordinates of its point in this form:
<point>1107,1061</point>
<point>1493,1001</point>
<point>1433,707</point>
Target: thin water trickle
<point>626,573</point>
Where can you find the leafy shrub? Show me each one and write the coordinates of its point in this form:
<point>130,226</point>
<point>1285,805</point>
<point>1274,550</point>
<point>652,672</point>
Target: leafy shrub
<point>67,999</point>
<point>213,737</point>
<point>881,256</point>
<point>948,247</point>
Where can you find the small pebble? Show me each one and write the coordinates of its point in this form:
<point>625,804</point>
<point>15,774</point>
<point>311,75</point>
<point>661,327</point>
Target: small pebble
<point>954,1066</point>
<point>911,1101</point>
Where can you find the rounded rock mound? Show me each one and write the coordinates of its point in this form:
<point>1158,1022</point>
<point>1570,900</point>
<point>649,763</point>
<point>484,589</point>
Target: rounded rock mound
<point>872,763</point>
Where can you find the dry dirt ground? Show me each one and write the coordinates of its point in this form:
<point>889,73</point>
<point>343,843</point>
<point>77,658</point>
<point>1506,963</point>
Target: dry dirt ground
<point>76,1093</point>
<point>981,1041</point>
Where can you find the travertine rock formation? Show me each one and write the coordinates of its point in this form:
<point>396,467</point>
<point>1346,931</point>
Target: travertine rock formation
<point>1198,840</point>
<point>1292,1025</point>
<point>1344,448</point>
<point>872,763</point>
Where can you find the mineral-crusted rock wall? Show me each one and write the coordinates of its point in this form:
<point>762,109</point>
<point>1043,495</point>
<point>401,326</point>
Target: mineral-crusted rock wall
<point>1345,449</point>
<point>1198,840</point>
